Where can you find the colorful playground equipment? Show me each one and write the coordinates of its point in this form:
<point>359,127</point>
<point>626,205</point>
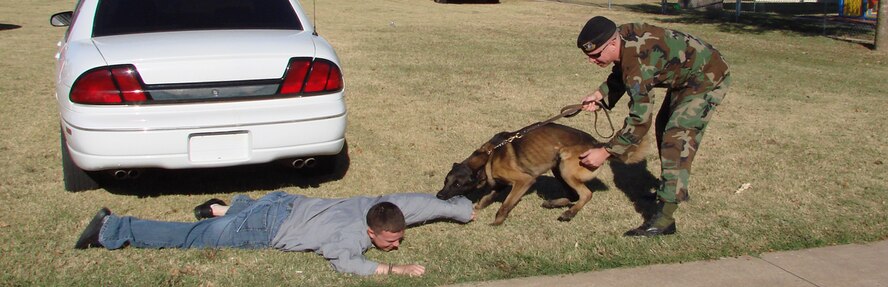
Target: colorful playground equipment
<point>862,9</point>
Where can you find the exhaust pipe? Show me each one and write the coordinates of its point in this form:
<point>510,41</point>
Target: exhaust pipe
<point>133,173</point>
<point>297,163</point>
<point>310,162</point>
<point>122,174</point>
<point>303,163</point>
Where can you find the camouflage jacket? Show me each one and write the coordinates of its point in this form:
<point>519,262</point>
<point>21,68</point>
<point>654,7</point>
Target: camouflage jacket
<point>656,57</point>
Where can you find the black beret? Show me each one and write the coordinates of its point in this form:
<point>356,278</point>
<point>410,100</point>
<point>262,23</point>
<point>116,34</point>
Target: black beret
<point>596,32</point>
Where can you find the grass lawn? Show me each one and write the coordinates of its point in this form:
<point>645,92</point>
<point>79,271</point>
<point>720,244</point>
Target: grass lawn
<point>804,125</point>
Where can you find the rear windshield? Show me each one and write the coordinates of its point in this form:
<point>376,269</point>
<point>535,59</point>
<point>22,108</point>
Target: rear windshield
<point>116,17</point>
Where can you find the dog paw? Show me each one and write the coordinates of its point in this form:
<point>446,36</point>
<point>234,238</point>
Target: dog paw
<point>566,216</point>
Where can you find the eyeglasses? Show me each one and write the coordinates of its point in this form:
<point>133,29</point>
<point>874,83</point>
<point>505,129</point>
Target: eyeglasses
<point>596,55</point>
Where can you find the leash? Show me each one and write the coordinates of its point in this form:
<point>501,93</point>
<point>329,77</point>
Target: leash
<point>566,112</point>
<point>573,110</point>
<point>602,106</point>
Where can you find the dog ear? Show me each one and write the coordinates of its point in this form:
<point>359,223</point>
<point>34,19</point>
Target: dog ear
<point>480,176</point>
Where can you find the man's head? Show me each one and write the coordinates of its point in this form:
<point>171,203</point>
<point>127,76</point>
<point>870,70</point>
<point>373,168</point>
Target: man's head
<point>598,40</point>
<point>386,226</point>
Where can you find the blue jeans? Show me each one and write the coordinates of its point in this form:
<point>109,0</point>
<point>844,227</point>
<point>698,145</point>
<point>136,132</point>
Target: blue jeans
<point>247,224</point>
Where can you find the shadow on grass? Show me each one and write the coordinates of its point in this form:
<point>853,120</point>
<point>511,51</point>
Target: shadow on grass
<point>546,187</point>
<point>470,2</point>
<point>637,184</point>
<point>4,27</point>
<point>752,23</point>
<point>809,21</point>
<point>158,182</point>
<point>633,180</point>
<point>549,188</point>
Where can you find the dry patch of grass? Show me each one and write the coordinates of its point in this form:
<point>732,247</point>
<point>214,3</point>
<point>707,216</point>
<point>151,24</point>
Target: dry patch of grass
<point>426,83</point>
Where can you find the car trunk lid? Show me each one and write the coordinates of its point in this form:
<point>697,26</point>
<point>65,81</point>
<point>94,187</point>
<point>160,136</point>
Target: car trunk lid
<point>207,56</point>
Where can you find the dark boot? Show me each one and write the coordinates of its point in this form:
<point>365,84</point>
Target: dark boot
<point>661,223</point>
<point>205,210</point>
<point>90,236</point>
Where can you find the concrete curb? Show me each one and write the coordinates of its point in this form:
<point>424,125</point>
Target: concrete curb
<point>851,265</point>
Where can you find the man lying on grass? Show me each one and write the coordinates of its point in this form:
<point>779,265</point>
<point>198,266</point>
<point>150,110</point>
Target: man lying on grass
<point>341,230</point>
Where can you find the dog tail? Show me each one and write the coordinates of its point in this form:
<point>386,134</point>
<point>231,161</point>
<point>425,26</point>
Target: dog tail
<point>638,152</point>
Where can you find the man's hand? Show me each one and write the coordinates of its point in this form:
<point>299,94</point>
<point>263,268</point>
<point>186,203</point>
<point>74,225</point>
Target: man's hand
<point>410,269</point>
<point>390,269</point>
<point>590,102</point>
<point>473,215</point>
<point>594,158</point>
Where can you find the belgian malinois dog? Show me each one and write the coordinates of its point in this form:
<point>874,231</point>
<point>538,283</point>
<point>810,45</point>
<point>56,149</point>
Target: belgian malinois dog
<point>507,159</point>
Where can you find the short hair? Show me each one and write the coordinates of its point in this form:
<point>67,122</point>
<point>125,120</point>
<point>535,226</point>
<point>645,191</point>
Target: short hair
<point>386,216</point>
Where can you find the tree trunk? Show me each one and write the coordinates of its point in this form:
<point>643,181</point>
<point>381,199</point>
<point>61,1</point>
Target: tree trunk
<point>882,27</point>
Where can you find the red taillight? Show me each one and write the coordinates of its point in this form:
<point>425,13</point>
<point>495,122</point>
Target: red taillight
<point>96,87</point>
<point>109,85</point>
<point>334,83</point>
<point>303,76</point>
<point>317,80</point>
<point>295,76</point>
<point>130,87</point>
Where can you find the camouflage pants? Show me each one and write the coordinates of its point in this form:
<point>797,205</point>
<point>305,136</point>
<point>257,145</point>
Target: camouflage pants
<point>680,125</point>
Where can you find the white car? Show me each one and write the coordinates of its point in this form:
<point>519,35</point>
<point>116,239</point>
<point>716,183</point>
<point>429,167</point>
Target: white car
<point>178,84</point>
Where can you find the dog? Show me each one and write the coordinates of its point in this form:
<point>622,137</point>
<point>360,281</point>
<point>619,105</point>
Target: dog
<point>518,158</point>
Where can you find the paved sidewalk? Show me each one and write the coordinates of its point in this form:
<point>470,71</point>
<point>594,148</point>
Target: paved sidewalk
<point>841,266</point>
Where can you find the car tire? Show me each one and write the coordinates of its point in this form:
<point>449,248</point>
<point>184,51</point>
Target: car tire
<point>75,178</point>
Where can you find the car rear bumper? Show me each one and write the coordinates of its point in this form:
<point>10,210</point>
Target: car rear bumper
<point>262,133</point>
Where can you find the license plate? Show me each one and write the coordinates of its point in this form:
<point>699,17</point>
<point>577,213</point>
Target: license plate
<point>219,147</point>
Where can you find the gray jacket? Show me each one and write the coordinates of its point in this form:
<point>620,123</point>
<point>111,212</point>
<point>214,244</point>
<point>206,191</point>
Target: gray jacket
<point>337,228</point>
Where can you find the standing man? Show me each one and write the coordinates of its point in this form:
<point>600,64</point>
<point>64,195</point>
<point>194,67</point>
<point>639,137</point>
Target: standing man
<point>341,230</point>
<point>696,77</point>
